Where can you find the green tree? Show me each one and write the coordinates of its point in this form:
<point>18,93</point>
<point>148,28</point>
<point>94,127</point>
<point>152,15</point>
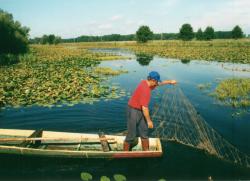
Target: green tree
<point>57,40</point>
<point>44,39</point>
<point>209,33</point>
<point>143,34</point>
<point>14,36</point>
<point>51,39</point>
<point>186,32</point>
<point>237,32</point>
<point>199,34</point>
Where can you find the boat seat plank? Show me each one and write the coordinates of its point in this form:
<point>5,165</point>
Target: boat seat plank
<point>104,143</point>
<point>32,144</point>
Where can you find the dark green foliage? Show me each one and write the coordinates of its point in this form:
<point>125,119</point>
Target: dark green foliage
<point>14,37</point>
<point>237,32</point>
<point>143,34</point>
<point>186,32</point>
<point>223,34</point>
<point>57,40</point>
<point>116,37</point>
<point>47,39</point>
<point>185,61</point>
<point>199,34</point>
<point>8,59</point>
<point>209,33</point>
<point>112,37</point>
<point>51,39</point>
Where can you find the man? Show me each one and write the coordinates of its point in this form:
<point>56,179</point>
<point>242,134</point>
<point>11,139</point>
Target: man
<point>138,117</point>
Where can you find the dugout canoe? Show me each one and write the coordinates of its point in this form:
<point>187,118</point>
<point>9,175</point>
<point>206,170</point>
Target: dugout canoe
<point>72,145</point>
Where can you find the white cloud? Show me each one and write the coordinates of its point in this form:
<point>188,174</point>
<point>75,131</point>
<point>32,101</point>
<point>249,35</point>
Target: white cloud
<point>233,12</point>
<point>116,17</point>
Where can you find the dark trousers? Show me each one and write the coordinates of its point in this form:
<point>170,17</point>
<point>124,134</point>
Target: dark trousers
<point>137,125</point>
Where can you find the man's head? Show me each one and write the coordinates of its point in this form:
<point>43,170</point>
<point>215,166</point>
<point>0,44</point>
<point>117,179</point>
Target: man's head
<point>154,77</point>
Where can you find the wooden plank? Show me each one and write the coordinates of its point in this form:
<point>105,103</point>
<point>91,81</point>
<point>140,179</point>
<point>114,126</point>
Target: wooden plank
<point>77,140</point>
<point>32,143</point>
<point>104,142</point>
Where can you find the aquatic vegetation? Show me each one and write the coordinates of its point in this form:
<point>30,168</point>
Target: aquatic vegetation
<point>119,177</point>
<point>108,71</point>
<point>104,178</point>
<point>216,50</point>
<point>234,92</point>
<point>204,86</point>
<point>55,75</point>
<point>85,176</point>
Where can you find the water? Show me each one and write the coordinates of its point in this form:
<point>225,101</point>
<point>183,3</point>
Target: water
<point>178,161</point>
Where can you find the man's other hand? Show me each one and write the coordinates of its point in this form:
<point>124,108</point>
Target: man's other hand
<point>150,125</point>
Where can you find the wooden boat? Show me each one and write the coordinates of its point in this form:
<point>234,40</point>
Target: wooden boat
<point>72,145</point>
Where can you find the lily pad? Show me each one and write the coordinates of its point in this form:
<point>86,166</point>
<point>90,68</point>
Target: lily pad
<point>104,178</point>
<point>119,177</point>
<point>85,176</point>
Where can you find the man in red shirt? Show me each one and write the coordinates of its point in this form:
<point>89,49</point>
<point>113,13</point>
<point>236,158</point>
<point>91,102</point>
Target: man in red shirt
<point>138,118</point>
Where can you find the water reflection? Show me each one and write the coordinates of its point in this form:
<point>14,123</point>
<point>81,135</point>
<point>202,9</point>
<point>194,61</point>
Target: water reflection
<point>144,59</point>
<point>185,61</point>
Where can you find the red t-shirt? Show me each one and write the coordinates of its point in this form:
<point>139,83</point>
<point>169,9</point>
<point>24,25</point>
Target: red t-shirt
<point>141,95</point>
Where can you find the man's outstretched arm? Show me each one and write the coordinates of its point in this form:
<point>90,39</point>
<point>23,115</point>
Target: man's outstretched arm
<point>167,82</point>
<point>147,117</point>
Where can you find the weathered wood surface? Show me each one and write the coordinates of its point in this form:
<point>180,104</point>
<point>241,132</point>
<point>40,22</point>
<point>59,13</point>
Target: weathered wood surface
<point>68,145</point>
<point>104,143</point>
<point>29,139</point>
<point>32,143</point>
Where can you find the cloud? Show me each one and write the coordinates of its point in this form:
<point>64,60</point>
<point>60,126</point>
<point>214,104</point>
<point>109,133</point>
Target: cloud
<point>116,17</point>
<point>233,12</point>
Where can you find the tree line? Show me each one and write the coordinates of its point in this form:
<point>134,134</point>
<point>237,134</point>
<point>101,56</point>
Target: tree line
<point>46,39</point>
<point>14,38</point>
<point>186,33</point>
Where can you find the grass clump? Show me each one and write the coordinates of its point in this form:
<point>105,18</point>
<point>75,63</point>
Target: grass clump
<point>234,92</point>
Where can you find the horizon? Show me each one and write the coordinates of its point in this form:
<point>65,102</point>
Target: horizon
<point>72,19</point>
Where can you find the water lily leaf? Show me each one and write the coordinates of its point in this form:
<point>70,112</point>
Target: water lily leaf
<point>85,176</point>
<point>119,177</point>
<point>104,178</point>
<point>162,179</point>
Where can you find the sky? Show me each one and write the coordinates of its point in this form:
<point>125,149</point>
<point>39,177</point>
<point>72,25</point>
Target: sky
<point>73,18</point>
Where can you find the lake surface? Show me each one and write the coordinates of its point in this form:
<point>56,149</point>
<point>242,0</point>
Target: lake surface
<point>178,161</point>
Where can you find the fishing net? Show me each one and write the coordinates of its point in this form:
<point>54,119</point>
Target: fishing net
<point>177,120</point>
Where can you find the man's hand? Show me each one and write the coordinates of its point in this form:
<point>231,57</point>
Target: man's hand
<point>173,82</point>
<point>165,82</point>
<point>147,117</point>
<point>150,124</point>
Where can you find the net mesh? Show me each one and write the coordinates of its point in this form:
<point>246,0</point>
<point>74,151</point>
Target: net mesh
<point>176,119</point>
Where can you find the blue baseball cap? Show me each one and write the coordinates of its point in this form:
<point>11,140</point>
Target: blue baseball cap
<point>154,75</point>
